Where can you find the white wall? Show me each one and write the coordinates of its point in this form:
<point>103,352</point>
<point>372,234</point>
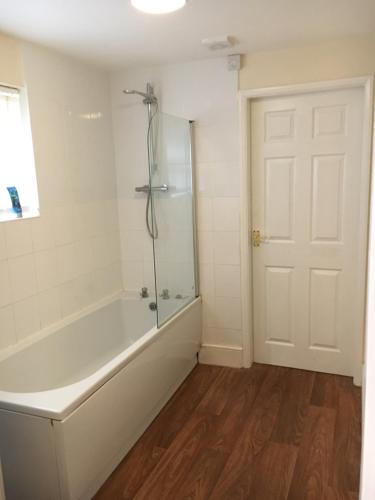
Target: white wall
<point>67,258</point>
<point>368,391</point>
<point>10,63</point>
<point>206,92</point>
<point>330,60</point>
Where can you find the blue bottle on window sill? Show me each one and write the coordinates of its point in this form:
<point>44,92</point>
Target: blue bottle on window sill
<point>15,199</point>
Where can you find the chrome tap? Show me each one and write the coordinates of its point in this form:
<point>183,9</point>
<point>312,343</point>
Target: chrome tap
<point>165,294</point>
<point>144,292</point>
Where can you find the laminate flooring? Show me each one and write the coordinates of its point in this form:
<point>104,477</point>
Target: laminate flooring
<point>264,433</point>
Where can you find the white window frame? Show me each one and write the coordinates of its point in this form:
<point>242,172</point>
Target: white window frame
<point>31,209</point>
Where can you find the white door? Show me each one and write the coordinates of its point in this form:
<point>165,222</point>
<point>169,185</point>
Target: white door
<point>306,169</point>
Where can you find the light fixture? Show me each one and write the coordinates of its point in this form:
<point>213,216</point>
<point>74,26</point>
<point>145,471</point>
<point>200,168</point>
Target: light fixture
<point>158,6</point>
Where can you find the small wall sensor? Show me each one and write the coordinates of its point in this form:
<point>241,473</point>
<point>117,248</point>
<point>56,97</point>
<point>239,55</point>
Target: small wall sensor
<point>234,62</point>
<point>218,42</point>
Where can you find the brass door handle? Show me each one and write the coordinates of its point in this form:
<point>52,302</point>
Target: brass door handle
<point>257,239</point>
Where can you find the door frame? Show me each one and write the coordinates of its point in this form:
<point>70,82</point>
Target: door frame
<point>245,97</point>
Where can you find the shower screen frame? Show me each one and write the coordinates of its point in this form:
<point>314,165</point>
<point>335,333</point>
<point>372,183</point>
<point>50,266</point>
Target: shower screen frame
<point>157,197</point>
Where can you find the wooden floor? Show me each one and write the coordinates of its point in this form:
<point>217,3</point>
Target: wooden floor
<point>266,433</point>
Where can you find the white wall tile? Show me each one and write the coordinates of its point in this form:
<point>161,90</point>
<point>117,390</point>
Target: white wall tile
<point>105,250</point>
<point>227,313</point>
<point>49,306</point>
<point>42,229</point>
<point>26,317</point>
<point>226,247</point>
<point>76,294</point>
<point>133,274</point>
<point>133,244</point>
<point>204,214</point>
<point>208,311</point>
<point>18,237</point>
<point>222,336</point>
<point>206,279</point>
<point>87,220</point>
<point>205,180</point>
<point>100,252</point>
<point>210,98</point>
<point>226,214</point>
<point>206,246</point>
<point>227,281</point>
<point>6,295</point>
<point>107,281</point>
<point>115,278</point>
<point>46,269</point>
<point>216,143</point>
<point>101,224</point>
<point>51,265</point>
<point>7,327</point>
<point>226,180</point>
<point>3,249</point>
<point>63,227</point>
<point>83,256</point>
<point>67,263</point>
<point>22,277</point>
<point>133,211</point>
<point>149,277</point>
<point>111,218</point>
<point>114,247</point>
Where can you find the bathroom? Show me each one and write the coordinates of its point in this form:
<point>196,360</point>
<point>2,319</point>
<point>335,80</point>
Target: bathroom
<point>160,336</point>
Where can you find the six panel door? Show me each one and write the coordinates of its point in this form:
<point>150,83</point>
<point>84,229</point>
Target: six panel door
<point>306,168</point>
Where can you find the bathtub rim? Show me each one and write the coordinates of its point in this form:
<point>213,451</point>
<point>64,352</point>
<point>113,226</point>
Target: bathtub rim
<point>57,404</point>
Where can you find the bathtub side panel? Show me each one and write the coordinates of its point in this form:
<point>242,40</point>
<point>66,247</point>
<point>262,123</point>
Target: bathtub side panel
<point>28,457</point>
<point>94,439</point>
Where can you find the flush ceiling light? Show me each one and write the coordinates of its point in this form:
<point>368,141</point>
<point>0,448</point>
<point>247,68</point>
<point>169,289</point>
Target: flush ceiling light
<point>158,6</point>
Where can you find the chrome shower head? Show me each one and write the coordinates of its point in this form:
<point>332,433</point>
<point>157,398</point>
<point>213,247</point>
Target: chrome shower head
<point>135,92</point>
<point>148,98</point>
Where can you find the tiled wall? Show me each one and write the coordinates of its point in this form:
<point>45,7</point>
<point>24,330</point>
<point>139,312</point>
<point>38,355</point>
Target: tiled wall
<point>130,125</point>
<point>206,92</point>
<point>69,257</point>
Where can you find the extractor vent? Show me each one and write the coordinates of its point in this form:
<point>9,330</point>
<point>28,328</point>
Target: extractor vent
<point>218,42</point>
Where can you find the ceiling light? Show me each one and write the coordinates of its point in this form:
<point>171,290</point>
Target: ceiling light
<point>158,6</point>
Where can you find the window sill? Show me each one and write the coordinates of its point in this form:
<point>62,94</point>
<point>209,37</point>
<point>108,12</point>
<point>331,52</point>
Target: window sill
<point>7,214</point>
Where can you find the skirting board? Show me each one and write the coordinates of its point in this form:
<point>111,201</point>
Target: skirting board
<point>221,355</point>
<point>358,376</point>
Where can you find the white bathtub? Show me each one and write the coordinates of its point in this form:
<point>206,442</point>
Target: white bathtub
<point>74,402</point>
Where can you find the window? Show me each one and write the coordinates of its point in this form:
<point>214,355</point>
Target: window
<point>17,167</point>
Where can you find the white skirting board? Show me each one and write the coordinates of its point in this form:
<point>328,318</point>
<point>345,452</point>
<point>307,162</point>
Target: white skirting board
<point>221,355</point>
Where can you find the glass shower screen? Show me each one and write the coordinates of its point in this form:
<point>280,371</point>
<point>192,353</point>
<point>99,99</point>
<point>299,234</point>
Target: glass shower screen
<point>173,207</point>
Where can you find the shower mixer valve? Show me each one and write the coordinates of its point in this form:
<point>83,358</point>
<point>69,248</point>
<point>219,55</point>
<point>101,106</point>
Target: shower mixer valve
<point>146,188</point>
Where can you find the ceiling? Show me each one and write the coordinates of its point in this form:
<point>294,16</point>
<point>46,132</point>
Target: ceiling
<point>112,34</point>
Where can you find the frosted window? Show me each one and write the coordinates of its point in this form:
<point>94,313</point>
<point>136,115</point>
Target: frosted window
<point>16,155</point>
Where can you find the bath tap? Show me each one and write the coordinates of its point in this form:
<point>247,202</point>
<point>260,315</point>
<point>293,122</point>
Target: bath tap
<point>144,292</point>
<point>165,294</point>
